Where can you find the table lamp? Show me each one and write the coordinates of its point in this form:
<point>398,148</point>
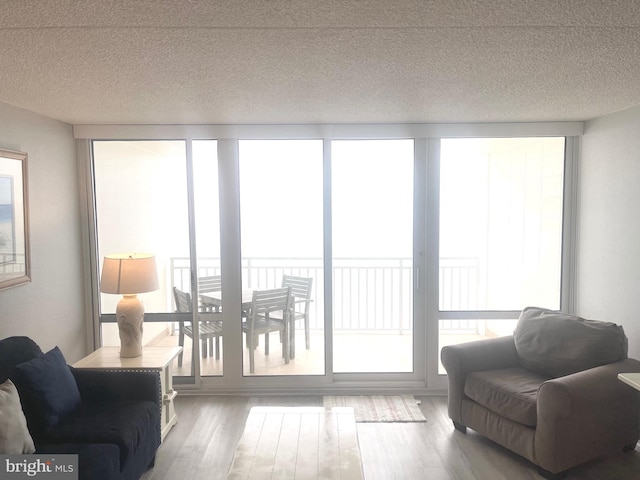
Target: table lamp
<point>129,274</point>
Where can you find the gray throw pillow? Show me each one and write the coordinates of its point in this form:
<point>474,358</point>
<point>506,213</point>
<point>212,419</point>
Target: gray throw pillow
<point>556,344</point>
<point>14,435</point>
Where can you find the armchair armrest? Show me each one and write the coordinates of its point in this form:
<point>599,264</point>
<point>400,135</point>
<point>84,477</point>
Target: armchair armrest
<point>578,414</point>
<point>461,359</point>
<point>110,386</point>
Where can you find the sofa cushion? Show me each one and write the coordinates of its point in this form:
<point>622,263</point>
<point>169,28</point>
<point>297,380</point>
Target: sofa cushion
<point>14,435</point>
<point>47,388</point>
<point>557,344</point>
<point>127,424</point>
<point>508,392</point>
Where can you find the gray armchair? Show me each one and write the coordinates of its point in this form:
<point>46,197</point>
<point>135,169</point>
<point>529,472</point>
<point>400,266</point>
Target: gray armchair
<point>550,392</point>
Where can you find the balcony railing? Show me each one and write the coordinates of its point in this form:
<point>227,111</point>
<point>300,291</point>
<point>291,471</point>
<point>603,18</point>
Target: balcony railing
<point>373,294</point>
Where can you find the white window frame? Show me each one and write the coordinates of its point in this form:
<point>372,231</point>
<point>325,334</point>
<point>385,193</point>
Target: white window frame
<point>425,378</point>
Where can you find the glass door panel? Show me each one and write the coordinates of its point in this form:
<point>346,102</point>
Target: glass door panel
<point>372,212</point>
<point>281,187</point>
<point>207,237</point>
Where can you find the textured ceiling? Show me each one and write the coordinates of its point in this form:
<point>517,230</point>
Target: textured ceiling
<point>311,61</point>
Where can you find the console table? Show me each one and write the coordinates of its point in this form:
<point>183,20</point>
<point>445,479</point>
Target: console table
<point>153,359</point>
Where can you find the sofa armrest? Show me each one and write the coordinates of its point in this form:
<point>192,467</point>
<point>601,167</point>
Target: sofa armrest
<point>110,386</point>
<point>581,414</point>
<point>463,358</point>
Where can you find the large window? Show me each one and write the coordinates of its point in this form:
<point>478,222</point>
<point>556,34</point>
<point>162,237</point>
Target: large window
<point>141,207</point>
<point>142,199</point>
<point>409,241</point>
<point>501,204</point>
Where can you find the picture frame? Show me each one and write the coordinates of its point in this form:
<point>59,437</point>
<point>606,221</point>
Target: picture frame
<point>15,262</point>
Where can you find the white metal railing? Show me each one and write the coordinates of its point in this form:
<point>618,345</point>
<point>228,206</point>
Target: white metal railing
<point>459,280</point>
<point>459,283</point>
<point>374,294</point>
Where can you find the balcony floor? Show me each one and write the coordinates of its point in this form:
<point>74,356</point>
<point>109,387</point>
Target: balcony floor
<point>364,352</point>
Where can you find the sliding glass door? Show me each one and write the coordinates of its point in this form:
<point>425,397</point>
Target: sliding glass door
<point>372,242</point>
<point>281,212</point>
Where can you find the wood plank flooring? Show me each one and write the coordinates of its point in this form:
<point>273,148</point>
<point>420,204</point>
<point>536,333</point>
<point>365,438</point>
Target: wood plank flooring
<point>202,445</point>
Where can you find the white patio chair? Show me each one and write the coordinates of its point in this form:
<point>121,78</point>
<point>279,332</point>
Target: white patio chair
<point>269,313</point>
<point>301,293</point>
<point>209,330</point>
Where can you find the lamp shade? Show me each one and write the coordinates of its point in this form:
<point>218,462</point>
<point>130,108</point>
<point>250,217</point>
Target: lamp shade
<point>129,273</point>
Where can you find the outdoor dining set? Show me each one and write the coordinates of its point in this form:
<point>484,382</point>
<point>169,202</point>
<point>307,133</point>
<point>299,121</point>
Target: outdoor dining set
<point>263,311</point>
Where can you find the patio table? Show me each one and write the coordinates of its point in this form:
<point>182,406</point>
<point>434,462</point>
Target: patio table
<point>214,299</point>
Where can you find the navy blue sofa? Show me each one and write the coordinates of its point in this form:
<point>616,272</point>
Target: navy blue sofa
<point>110,419</point>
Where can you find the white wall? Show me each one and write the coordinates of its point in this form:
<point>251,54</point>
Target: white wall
<point>609,223</point>
<point>50,308</point>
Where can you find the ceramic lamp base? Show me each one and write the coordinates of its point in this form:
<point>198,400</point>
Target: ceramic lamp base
<point>130,315</point>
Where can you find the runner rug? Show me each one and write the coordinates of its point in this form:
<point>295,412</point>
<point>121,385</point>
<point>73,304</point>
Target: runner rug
<point>378,408</point>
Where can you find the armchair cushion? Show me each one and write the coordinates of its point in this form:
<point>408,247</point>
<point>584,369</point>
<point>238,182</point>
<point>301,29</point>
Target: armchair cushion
<point>557,344</point>
<point>509,392</point>
<point>14,435</point>
<point>47,388</point>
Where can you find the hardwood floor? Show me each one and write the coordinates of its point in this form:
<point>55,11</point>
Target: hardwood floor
<point>202,444</point>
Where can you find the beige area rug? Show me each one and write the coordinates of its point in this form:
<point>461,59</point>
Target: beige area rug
<point>379,408</point>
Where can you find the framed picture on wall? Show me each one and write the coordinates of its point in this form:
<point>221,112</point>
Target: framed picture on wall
<point>14,220</point>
